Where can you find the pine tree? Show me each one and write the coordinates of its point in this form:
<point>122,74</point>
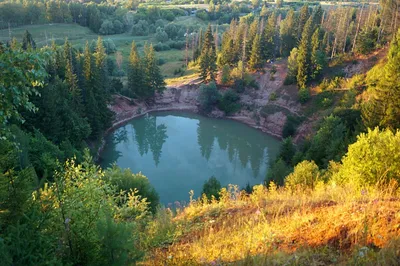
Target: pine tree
<point>317,56</point>
<point>304,15</point>
<point>87,68</point>
<point>72,82</point>
<point>255,62</point>
<point>383,107</point>
<point>304,56</point>
<point>27,41</point>
<point>101,84</point>
<point>253,31</point>
<point>208,57</point>
<point>317,16</point>
<point>89,99</point>
<point>288,33</point>
<point>135,73</point>
<point>268,38</point>
<point>154,80</point>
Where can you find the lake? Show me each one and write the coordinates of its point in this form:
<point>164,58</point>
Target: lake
<point>179,151</point>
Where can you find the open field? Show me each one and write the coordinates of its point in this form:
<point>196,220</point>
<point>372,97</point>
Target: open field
<point>78,36</point>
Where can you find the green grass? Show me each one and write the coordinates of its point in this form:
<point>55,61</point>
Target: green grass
<point>78,35</point>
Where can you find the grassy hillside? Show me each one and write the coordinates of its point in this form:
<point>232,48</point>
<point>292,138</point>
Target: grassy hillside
<point>325,226</point>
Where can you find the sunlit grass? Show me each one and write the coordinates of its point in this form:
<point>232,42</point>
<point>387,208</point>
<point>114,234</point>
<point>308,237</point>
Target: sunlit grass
<point>275,226</point>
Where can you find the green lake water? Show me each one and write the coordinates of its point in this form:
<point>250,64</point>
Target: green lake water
<point>179,151</point>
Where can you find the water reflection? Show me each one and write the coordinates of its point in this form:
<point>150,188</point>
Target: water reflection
<point>178,152</point>
<point>149,135</point>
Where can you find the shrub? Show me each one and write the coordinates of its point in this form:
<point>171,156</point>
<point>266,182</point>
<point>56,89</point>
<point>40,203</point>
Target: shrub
<point>289,129</point>
<point>239,85</point>
<point>141,28</point>
<point>208,97</point>
<point>304,96</point>
<point>211,188</point>
<point>305,175</point>
<point>277,172</point>
<point>273,96</point>
<point>373,159</point>
<point>225,74</point>
<point>177,44</point>
<point>161,35</point>
<point>229,102</point>
<point>125,180</point>
<point>287,150</point>
<point>161,47</point>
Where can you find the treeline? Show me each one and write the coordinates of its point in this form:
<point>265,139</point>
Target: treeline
<point>103,18</point>
<point>71,107</point>
<point>310,37</point>
<point>90,15</point>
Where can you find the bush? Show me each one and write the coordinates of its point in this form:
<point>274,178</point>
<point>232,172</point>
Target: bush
<point>289,129</point>
<point>208,97</point>
<point>277,172</point>
<point>141,28</point>
<point>374,159</point>
<point>225,74</point>
<point>304,96</point>
<point>229,102</point>
<point>287,150</point>
<point>211,188</point>
<point>305,175</point>
<point>109,45</point>
<point>177,44</point>
<point>161,35</point>
<point>161,47</point>
<point>239,85</point>
<point>273,96</point>
<point>125,180</point>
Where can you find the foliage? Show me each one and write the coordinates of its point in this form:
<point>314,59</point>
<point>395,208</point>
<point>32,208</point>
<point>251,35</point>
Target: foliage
<point>211,188</point>
<point>382,108</point>
<point>305,175</point>
<point>144,75</point>
<point>125,182</point>
<point>141,28</point>
<point>289,129</point>
<point>287,150</point>
<point>277,172</point>
<point>256,61</point>
<point>225,76</point>
<point>208,57</point>
<point>22,73</point>
<point>229,102</point>
<point>304,95</point>
<point>208,97</point>
<point>374,159</point>
<point>292,67</point>
<point>367,40</point>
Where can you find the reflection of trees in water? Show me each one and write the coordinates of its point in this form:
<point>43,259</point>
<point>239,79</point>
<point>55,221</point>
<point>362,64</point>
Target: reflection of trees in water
<point>121,135</point>
<point>205,137</point>
<point>150,136</point>
<point>246,149</point>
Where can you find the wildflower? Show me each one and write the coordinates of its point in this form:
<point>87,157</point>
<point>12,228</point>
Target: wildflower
<point>258,212</point>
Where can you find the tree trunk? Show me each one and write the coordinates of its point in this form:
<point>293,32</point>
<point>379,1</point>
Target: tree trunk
<point>358,29</point>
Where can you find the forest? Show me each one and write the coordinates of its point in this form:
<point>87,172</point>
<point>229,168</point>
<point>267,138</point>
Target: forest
<point>59,207</point>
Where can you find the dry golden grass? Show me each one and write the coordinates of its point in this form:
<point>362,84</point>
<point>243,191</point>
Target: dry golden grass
<point>325,226</point>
